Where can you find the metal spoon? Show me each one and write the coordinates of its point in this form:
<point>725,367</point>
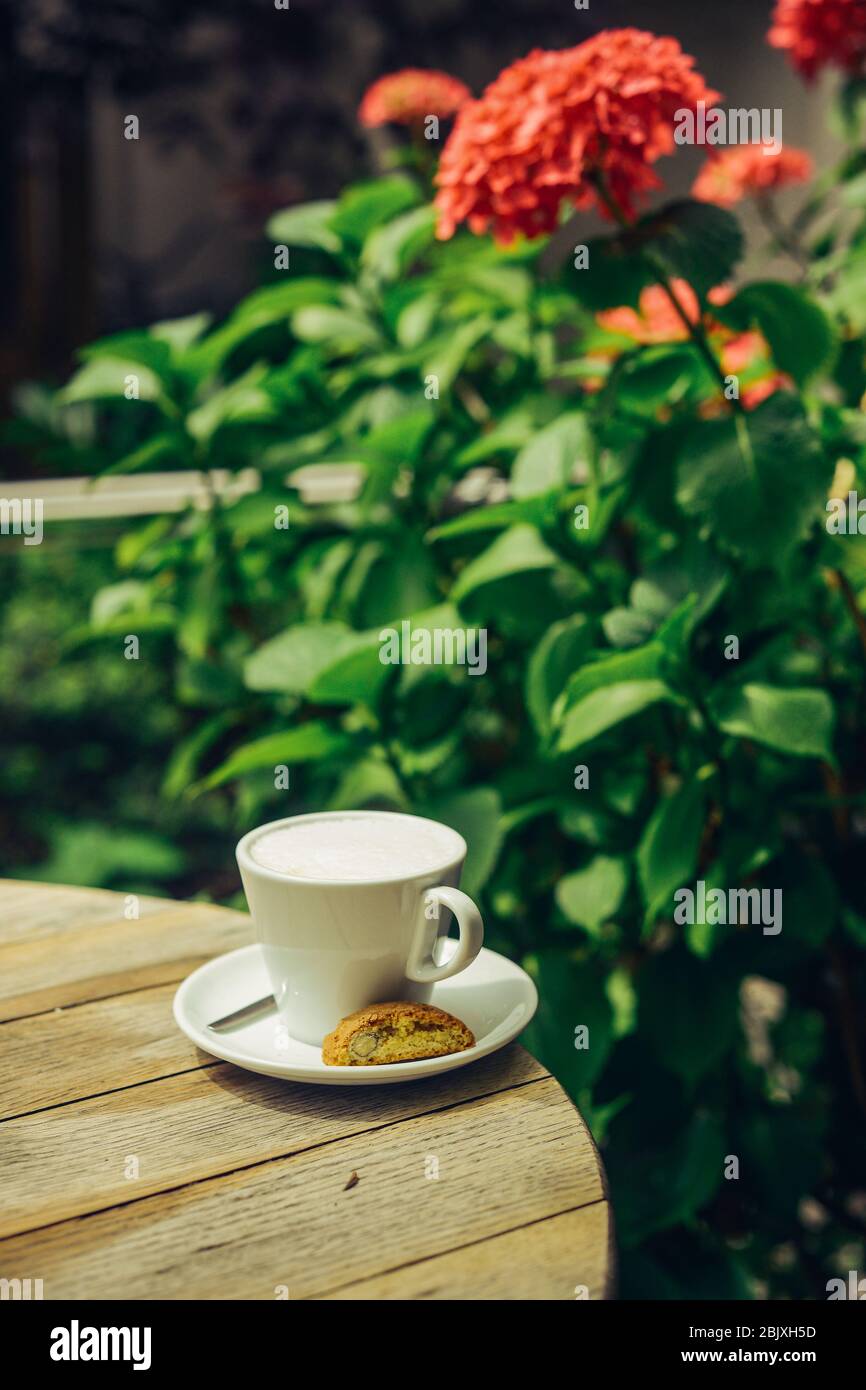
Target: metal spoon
<point>245,1014</point>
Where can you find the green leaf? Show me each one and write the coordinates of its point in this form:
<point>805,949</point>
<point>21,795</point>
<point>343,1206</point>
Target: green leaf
<point>180,334</point>
<point>400,440</point>
<point>674,633</point>
<point>499,516</point>
<point>604,709</point>
<point>399,579</point>
<point>590,896</point>
<point>699,242</point>
<point>634,680</point>
<point>644,663</point>
<point>800,334</point>
<point>158,450</point>
<point>848,113</point>
<point>390,250</point>
<point>244,401</point>
<point>449,355</point>
<point>275,303</point>
<point>207,685</point>
<point>127,597</point>
<point>758,482</point>
<point>186,756</point>
<point>369,782</point>
<point>355,677</point>
<point>292,661</point>
<point>563,647</point>
<point>366,205</point>
<point>135,543</point>
<point>854,191</point>
<point>416,320</point>
<point>572,1033</point>
<point>107,378</point>
<point>346,330</point>
<point>309,224</point>
<point>476,815</point>
<point>136,346</point>
<point>104,855</point>
<point>308,743</point>
<point>669,600</point>
<point>263,309</point>
<point>667,856</point>
<point>390,447</point>
<point>798,722</point>
<point>665,1185</point>
<point>627,627</point>
<point>614,276</point>
<point>505,435</point>
<point>655,376</point>
<point>548,460</point>
<point>846,294</point>
<point>696,241</point>
<point>511,285</point>
<point>518,550</point>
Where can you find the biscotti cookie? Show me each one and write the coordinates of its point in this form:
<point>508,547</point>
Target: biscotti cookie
<point>394,1032</point>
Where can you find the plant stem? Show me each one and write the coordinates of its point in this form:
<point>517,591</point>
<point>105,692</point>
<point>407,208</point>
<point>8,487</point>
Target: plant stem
<point>783,236</point>
<point>476,408</point>
<point>694,329</point>
<point>841,581</point>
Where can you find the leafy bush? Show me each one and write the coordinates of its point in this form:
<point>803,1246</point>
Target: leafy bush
<point>676,652</point>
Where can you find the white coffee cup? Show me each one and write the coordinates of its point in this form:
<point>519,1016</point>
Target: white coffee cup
<point>332,946</point>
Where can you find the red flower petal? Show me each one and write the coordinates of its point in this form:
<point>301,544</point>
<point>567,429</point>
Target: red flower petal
<point>553,121</point>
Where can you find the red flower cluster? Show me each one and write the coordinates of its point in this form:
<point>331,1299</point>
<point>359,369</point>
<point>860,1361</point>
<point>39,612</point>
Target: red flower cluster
<point>745,170</point>
<point>554,123</point>
<point>656,321</point>
<point>821,33</point>
<point>410,95</point>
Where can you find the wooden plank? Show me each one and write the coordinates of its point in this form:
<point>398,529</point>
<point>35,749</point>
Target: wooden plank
<point>114,957</point>
<point>90,1049</point>
<point>564,1257</point>
<point>32,911</point>
<point>72,1160</point>
<point>504,1161</point>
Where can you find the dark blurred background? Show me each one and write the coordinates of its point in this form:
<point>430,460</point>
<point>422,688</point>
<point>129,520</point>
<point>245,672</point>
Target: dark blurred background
<point>244,108</point>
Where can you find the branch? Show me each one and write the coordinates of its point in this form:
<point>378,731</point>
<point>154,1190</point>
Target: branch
<point>839,580</point>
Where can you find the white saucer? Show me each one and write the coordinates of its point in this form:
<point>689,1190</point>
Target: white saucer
<point>493,996</point>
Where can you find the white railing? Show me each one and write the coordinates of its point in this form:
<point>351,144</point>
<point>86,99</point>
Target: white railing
<point>152,494</point>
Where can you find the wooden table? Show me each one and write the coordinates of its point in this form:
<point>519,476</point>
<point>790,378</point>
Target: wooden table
<point>133,1165</point>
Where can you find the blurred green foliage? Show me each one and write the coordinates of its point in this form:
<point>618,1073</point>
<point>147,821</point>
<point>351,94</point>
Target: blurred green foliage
<point>415,364</point>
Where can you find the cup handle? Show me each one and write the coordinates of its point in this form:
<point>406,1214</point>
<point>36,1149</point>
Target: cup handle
<point>421,966</point>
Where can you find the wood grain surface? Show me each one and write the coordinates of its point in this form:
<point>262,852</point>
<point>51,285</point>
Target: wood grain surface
<point>134,1165</point>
